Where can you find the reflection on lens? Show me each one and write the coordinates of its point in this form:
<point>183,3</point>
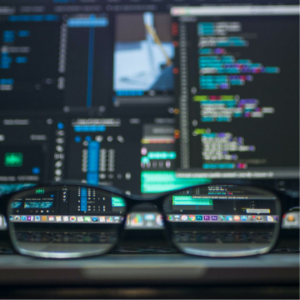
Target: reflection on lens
<point>223,220</point>
<point>65,221</point>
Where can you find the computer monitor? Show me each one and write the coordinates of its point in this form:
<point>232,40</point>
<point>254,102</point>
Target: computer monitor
<point>90,91</point>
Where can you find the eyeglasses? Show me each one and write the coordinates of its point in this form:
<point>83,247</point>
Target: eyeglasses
<point>72,221</point>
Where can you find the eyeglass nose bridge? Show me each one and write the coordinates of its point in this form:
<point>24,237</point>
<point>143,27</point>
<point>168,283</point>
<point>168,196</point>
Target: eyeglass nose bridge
<point>157,203</point>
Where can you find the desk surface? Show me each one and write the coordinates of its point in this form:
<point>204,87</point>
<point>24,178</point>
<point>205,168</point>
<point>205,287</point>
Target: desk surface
<point>151,269</point>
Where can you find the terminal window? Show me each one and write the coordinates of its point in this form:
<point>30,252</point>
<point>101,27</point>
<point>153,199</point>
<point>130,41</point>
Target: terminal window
<point>237,75</point>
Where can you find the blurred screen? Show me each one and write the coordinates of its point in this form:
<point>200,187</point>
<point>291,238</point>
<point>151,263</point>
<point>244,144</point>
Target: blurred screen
<point>91,91</point>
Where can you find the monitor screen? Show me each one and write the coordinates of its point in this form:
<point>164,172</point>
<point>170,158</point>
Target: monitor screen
<point>94,91</point>
<point>237,91</point>
<point>87,93</point>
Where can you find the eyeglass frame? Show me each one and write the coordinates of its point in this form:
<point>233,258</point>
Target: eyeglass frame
<point>132,201</point>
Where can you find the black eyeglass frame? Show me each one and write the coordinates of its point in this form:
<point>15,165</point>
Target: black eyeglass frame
<point>131,202</point>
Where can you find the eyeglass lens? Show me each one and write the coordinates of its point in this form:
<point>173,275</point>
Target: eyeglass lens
<point>223,220</point>
<point>64,222</point>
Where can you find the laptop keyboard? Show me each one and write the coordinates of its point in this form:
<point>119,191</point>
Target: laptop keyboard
<point>180,236</point>
<point>186,236</point>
